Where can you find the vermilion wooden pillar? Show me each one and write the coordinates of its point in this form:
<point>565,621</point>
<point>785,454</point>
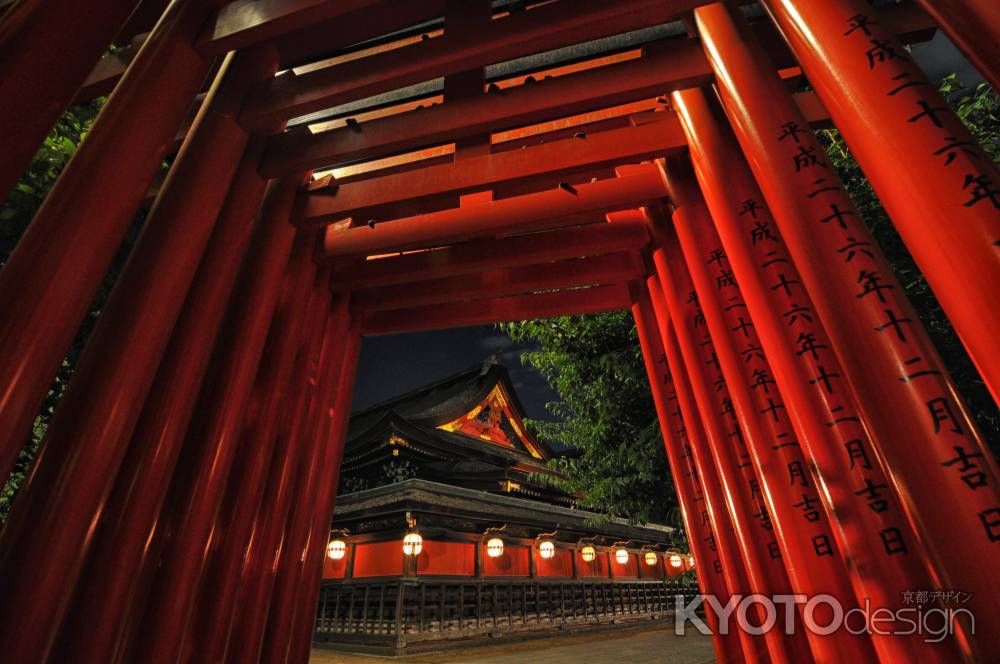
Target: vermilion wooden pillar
<point>213,441</point>
<point>341,347</point>
<point>974,27</point>
<point>289,483</point>
<point>307,594</point>
<point>48,47</point>
<point>264,452</point>
<point>687,484</point>
<point>52,524</point>
<point>699,459</point>
<point>814,562</point>
<point>251,466</point>
<point>940,188</point>
<point>869,523</point>
<point>50,280</point>
<point>129,524</point>
<point>943,471</point>
<point>725,437</point>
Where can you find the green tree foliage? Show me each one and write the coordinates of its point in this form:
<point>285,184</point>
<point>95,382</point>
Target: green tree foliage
<point>605,413</point>
<point>15,215</point>
<point>593,362</point>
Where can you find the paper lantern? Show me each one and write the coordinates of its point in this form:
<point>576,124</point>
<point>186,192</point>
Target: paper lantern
<point>621,556</point>
<point>547,549</point>
<point>588,554</point>
<point>336,549</point>
<point>494,548</point>
<point>676,561</point>
<point>650,558</point>
<point>413,544</point>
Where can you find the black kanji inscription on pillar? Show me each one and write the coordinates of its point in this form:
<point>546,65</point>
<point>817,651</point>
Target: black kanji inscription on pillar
<point>880,51</point>
<point>940,409</point>
<point>807,505</point>
<point>806,158</point>
<point>895,323</point>
<point>821,189</point>
<point>856,451</point>
<point>716,256</point>
<point>772,408</point>
<point>822,545</point>
<point>750,206</point>
<point>873,494</point>
<point>725,279</point>
<point>951,149</point>
<point>853,248</point>
<point>785,284</point>
<point>907,83</point>
<point>743,326</point>
<point>983,189</point>
<point>807,344</point>
<point>871,282</point>
<point>762,231</point>
<point>837,214</point>
<point>892,539</point>
<point>795,312</point>
<point>751,353</point>
<point>860,22</point>
<point>797,473</point>
<point>972,473</point>
<point>929,112</point>
<point>761,380</point>
<point>824,379</point>
<point>991,523</point>
<point>791,130</point>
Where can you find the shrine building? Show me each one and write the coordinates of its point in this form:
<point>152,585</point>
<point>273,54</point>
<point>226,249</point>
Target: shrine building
<point>443,533</point>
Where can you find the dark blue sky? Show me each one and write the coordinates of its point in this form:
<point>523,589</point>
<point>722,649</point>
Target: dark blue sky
<point>394,364</point>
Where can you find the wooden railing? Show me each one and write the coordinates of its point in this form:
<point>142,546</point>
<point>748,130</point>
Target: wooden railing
<point>395,612</point>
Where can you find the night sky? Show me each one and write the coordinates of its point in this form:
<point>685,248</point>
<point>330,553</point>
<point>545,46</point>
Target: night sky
<point>395,364</point>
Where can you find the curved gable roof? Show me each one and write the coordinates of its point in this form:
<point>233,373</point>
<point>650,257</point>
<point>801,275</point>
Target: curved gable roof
<point>443,403</point>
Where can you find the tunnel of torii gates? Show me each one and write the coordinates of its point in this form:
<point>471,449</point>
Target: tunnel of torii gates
<point>181,500</point>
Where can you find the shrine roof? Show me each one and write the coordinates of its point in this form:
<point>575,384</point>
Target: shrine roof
<point>447,409</point>
<point>460,503</point>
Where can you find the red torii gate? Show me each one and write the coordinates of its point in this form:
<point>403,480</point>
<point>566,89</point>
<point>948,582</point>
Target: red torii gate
<point>180,503</point>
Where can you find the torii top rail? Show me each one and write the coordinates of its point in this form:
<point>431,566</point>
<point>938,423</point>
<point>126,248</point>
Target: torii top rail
<point>353,167</point>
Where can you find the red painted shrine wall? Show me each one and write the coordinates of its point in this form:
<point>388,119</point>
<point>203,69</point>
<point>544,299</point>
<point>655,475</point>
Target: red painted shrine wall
<point>450,558</point>
<point>560,564</point>
<point>629,569</point>
<point>378,559</point>
<point>597,567</point>
<point>651,571</point>
<point>335,569</point>
<point>513,562</point>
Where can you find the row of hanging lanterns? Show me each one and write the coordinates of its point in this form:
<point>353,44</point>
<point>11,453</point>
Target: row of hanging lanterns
<point>494,548</point>
<point>413,544</point>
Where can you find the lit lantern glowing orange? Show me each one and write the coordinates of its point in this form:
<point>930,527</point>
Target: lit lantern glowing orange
<point>588,553</point>
<point>650,558</point>
<point>494,548</point>
<point>676,561</point>
<point>336,549</point>
<point>413,544</point>
<point>547,549</point>
<point>691,562</point>
<point>621,556</point>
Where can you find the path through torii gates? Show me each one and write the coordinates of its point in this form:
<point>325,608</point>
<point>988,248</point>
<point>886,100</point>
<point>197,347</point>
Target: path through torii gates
<point>470,163</point>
